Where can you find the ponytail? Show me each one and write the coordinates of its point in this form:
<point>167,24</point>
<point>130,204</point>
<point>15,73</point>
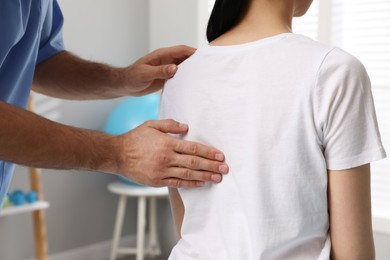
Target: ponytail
<point>225,15</point>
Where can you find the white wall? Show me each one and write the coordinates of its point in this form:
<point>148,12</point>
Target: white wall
<point>174,22</point>
<point>382,245</point>
<point>82,210</point>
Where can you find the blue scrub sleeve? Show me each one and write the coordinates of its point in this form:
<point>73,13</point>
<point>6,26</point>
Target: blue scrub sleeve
<point>51,38</point>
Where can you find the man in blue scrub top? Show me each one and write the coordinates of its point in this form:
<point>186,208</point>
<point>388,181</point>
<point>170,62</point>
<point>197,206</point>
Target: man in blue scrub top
<point>32,55</point>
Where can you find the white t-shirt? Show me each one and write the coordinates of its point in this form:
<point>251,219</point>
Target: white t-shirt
<point>283,110</point>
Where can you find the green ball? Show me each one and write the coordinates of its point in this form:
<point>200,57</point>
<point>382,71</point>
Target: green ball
<point>6,202</point>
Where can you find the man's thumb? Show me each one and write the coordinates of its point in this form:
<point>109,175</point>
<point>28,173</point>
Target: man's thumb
<point>165,71</point>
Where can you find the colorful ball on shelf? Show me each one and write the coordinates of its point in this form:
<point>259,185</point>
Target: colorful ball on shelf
<point>131,113</point>
<point>16,192</point>
<point>31,197</point>
<point>17,198</point>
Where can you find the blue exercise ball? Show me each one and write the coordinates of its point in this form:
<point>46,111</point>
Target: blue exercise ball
<point>131,113</point>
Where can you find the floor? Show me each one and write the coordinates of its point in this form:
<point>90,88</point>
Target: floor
<point>133,258</point>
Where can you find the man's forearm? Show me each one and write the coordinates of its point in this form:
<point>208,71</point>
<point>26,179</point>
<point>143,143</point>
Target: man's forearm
<point>28,139</point>
<point>66,76</point>
<point>146,154</point>
<point>69,77</point>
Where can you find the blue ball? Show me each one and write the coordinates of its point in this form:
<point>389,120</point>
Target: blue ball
<point>131,113</point>
<point>31,197</point>
<point>17,198</point>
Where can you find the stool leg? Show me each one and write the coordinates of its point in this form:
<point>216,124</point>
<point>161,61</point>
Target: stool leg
<point>141,227</point>
<point>118,226</point>
<point>153,239</point>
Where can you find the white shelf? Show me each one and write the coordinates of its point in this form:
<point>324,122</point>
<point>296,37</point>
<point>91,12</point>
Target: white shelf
<point>12,210</point>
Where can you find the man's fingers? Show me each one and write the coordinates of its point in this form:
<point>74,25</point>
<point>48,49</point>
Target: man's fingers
<point>162,71</point>
<point>168,126</point>
<point>197,163</point>
<point>174,55</point>
<point>157,72</point>
<point>179,183</point>
<point>194,175</point>
<point>192,148</point>
<point>177,53</point>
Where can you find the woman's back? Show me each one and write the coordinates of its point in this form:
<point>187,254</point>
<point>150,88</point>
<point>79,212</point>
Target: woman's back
<point>296,122</point>
<point>265,104</point>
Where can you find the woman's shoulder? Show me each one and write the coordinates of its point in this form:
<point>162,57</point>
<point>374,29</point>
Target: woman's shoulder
<point>338,57</point>
<point>339,65</point>
<point>331,55</point>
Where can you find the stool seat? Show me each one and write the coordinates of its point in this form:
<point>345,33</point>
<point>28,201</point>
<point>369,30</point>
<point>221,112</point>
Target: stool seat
<point>129,190</point>
<point>145,195</point>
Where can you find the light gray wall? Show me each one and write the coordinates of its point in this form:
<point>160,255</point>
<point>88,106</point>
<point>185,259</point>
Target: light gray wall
<point>168,28</point>
<point>382,246</point>
<point>82,211</point>
<point>174,22</point>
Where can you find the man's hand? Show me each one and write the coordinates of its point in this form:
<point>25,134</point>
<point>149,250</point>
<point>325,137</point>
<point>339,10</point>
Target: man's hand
<point>150,156</point>
<point>147,154</point>
<point>67,76</point>
<point>148,74</point>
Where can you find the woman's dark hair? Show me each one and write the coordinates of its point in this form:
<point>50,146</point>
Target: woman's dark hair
<point>225,15</point>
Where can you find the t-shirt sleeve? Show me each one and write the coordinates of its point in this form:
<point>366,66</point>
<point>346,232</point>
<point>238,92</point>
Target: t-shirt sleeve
<point>346,112</point>
<point>51,35</point>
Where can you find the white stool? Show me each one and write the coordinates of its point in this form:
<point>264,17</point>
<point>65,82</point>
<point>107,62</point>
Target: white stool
<point>143,193</point>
